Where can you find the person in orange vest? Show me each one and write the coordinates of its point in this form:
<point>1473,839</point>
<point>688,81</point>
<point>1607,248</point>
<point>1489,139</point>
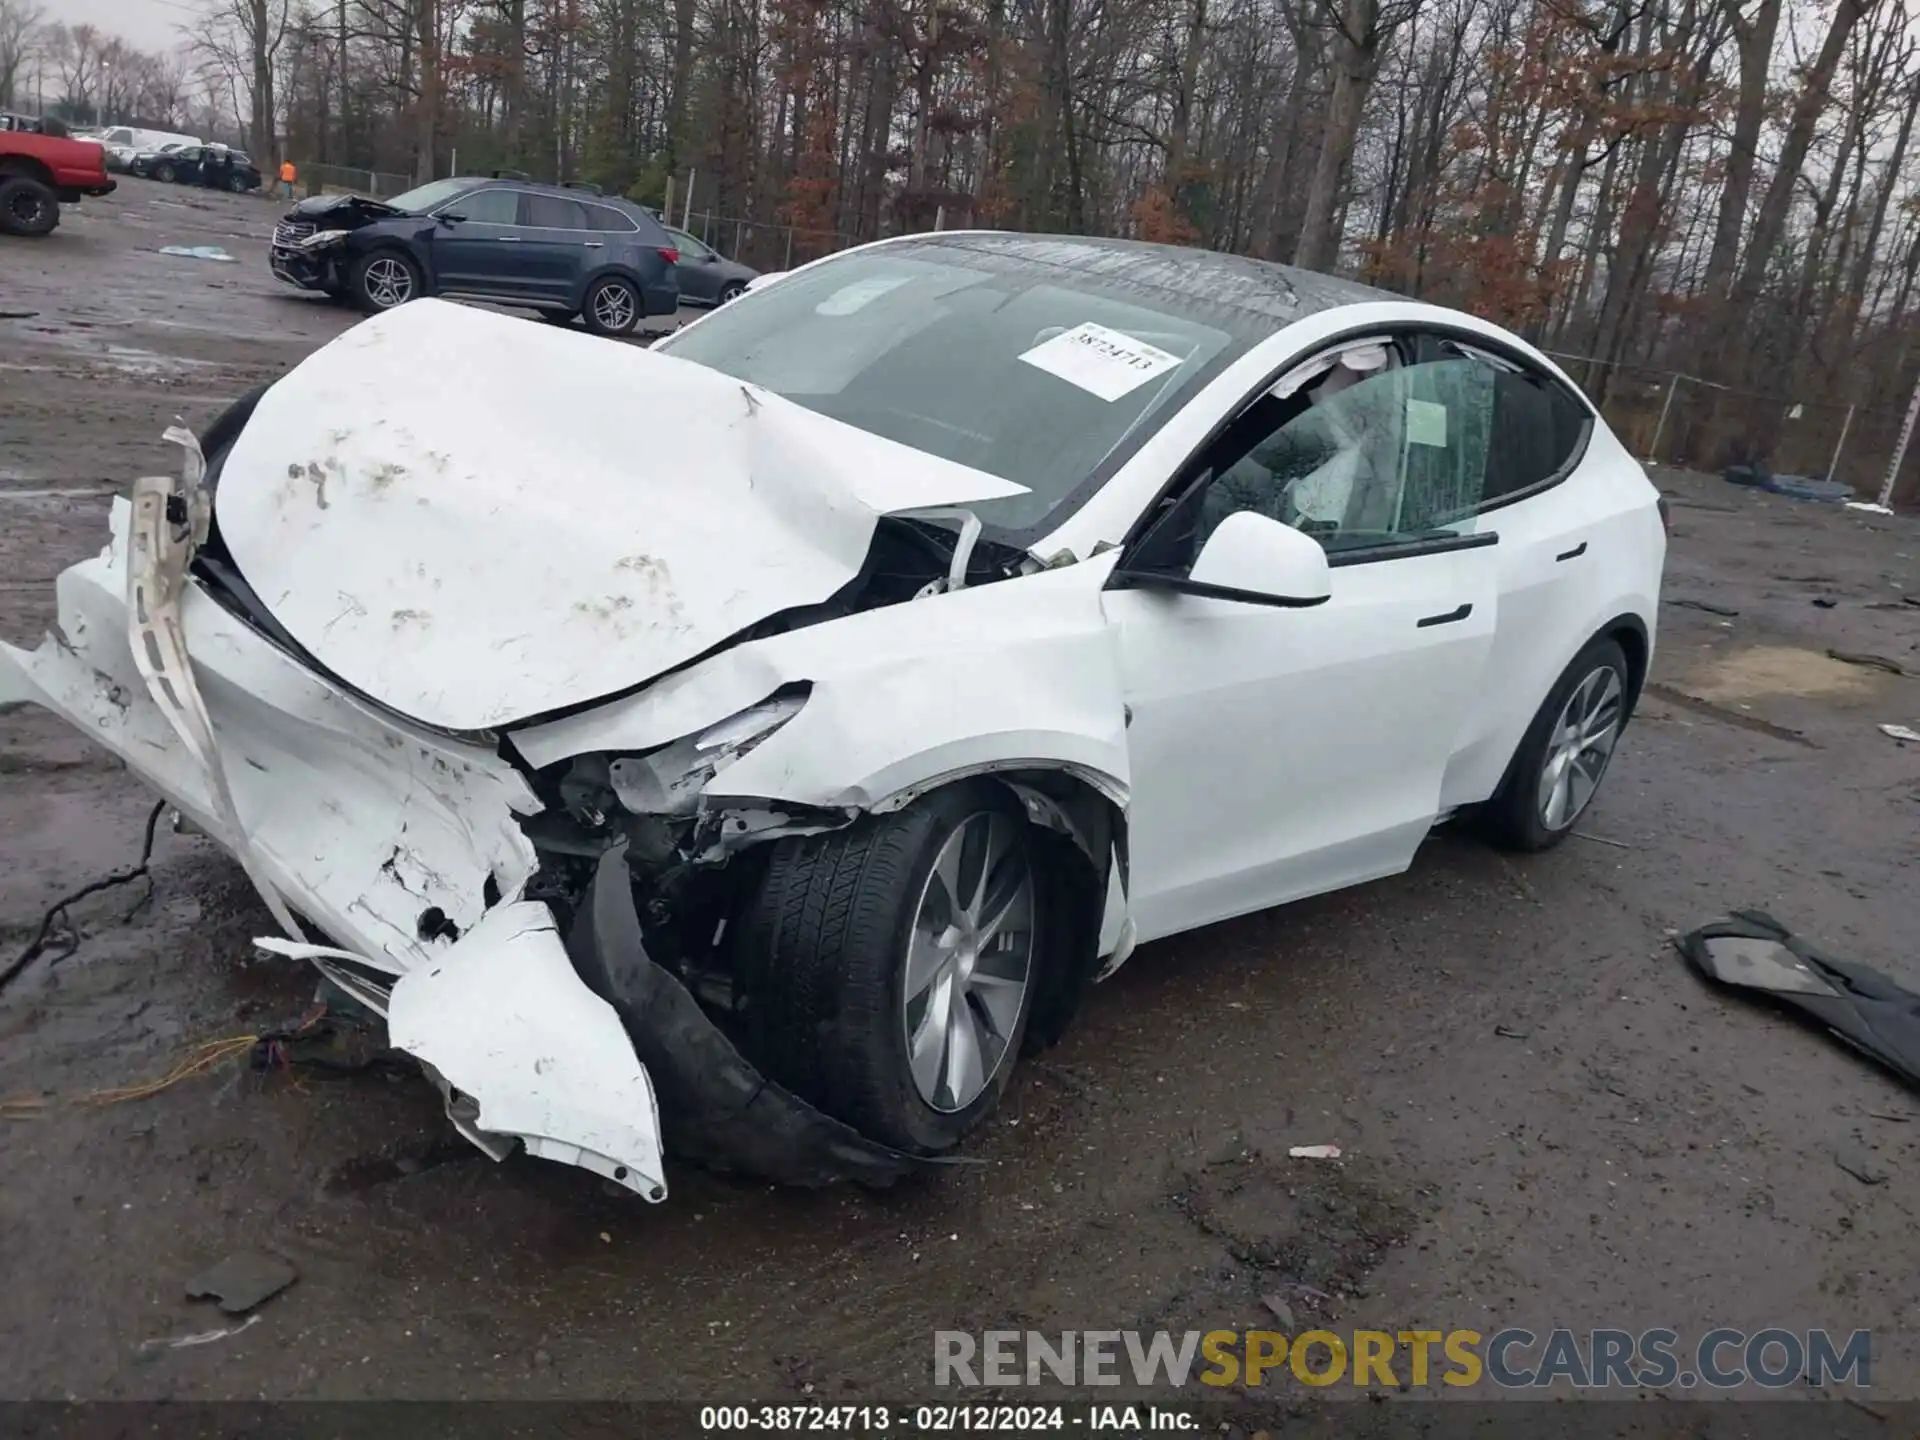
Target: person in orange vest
<point>287,173</point>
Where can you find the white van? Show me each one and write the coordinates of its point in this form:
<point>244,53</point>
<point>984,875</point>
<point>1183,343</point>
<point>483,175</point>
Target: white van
<point>123,142</point>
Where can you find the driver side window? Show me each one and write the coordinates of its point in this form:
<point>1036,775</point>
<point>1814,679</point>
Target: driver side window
<point>1361,459</point>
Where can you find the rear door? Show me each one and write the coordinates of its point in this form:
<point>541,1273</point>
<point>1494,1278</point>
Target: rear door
<point>1549,510</point>
<point>476,253</point>
<point>554,238</point>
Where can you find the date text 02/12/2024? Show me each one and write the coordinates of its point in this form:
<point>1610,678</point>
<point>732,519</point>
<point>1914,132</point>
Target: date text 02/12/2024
<point>948,1419</point>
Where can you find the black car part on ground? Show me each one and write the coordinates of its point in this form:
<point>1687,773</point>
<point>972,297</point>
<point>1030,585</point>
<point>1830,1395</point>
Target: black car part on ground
<point>1859,1005</point>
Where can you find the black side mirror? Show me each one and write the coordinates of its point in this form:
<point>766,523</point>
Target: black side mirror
<point>447,218</point>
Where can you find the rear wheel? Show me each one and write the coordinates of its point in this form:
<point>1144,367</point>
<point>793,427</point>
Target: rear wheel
<point>1565,753</point>
<point>27,207</point>
<point>385,280</point>
<point>612,308</point>
<point>889,968</point>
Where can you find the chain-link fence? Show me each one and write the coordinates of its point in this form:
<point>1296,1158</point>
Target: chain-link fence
<point>1675,419</point>
<point>336,179</point>
<point>763,246</point>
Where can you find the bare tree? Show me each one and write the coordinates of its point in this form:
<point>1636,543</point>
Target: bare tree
<point>19,34</point>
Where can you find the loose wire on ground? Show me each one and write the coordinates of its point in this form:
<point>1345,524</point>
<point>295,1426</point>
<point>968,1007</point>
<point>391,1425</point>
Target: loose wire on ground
<point>57,913</point>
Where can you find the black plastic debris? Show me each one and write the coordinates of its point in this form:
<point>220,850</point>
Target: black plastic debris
<point>1706,605</point>
<point>1752,951</point>
<point>242,1281</point>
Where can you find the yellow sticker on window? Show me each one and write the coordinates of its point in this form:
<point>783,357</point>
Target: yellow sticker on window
<point>1427,423</point>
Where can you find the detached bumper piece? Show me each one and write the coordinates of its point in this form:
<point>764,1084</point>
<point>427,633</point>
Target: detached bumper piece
<point>716,1109</point>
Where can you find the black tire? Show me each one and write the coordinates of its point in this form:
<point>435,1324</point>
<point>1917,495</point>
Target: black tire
<point>821,957</point>
<point>1514,819</point>
<point>27,207</point>
<point>371,273</point>
<point>238,184</point>
<point>612,307</point>
<point>163,172</point>
<point>732,290</point>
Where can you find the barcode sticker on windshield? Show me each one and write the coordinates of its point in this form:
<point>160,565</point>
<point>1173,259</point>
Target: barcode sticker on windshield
<point>1100,361</point>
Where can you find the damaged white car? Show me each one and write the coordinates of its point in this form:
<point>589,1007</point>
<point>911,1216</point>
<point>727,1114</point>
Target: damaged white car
<point>746,748</point>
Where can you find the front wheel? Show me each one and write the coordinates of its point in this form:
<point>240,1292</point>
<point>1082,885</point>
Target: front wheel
<point>27,207</point>
<point>612,308</point>
<point>237,184</point>
<point>1565,753</point>
<point>732,290</point>
<point>889,968</point>
<point>385,280</point>
<point>163,172</point>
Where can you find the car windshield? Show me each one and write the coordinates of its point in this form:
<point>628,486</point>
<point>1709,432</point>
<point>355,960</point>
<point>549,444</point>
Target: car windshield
<point>423,198</point>
<point>1031,371</point>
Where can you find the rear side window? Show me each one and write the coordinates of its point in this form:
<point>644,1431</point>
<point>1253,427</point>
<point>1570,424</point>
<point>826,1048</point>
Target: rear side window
<point>1537,431</point>
<point>1537,428</point>
<point>651,230</point>
<point>551,212</point>
<point>605,217</point>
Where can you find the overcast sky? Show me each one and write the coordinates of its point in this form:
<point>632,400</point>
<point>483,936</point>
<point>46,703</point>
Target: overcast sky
<point>147,24</point>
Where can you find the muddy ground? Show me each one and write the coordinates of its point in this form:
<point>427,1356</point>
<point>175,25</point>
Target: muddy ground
<point>1547,1120</point>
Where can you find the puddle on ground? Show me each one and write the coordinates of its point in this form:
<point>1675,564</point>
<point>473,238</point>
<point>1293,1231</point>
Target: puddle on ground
<point>1764,670</point>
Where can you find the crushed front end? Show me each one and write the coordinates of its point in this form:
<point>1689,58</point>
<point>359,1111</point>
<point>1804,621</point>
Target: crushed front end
<point>420,872</point>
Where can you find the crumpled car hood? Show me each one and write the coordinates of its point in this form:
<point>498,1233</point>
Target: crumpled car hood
<point>474,520</point>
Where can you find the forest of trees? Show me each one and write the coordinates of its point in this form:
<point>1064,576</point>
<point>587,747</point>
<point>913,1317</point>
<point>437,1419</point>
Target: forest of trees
<point>1724,188</point>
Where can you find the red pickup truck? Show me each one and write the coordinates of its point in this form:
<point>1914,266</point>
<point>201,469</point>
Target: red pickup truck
<point>40,168</point>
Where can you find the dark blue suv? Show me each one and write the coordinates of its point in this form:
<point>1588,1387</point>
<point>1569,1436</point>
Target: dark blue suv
<point>561,250</point>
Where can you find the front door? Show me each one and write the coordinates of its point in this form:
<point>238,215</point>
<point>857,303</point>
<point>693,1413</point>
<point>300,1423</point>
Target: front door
<point>475,254</point>
<point>1281,752</point>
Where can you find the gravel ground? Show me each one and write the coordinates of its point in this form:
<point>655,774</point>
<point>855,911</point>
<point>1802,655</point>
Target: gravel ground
<point>1546,1119</point>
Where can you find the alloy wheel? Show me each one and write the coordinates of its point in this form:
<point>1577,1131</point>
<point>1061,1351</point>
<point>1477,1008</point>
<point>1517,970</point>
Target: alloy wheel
<point>613,307</point>
<point>389,282</point>
<point>27,208</point>
<point>1579,747</point>
<point>969,961</point>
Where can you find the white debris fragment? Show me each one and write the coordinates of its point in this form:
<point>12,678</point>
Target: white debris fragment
<point>1900,732</point>
<point>1315,1152</point>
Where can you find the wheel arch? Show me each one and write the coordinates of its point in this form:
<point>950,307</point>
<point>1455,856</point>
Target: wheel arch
<point>26,167</point>
<point>610,270</point>
<point>419,256</point>
<point>1077,820</point>
<point>1629,631</point>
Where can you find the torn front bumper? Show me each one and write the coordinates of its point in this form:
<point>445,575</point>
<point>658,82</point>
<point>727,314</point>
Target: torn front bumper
<point>373,831</point>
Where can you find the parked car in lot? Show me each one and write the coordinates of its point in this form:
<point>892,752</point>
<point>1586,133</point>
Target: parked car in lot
<point>125,142</point>
<point>214,166</point>
<point>706,276</point>
<point>565,251</point>
<point>754,744</point>
<point>41,169</point>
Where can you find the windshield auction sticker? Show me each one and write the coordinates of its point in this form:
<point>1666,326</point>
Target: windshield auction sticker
<point>1103,362</point>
